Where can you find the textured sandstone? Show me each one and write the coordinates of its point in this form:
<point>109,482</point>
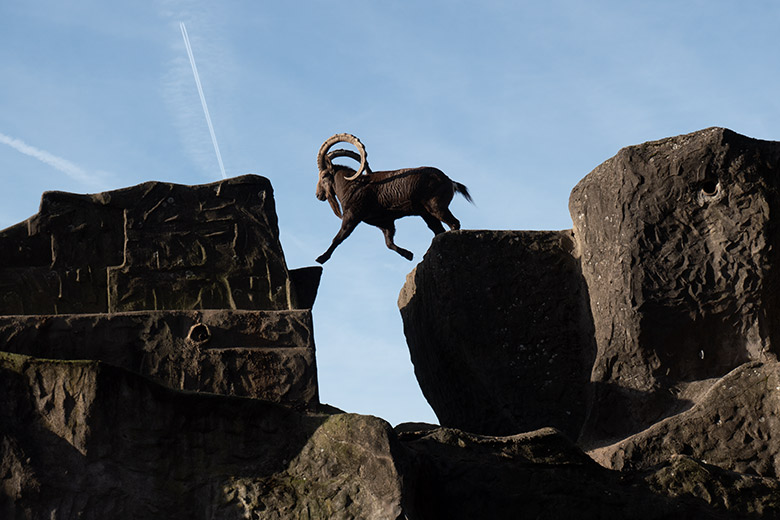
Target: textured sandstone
<point>735,425</point>
<point>347,469</point>
<point>672,302</point>
<point>172,254</point>
<point>680,259</point>
<point>648,333</point>
<point>458,475</point>
<point>80,439</point>
<point>264,354</point>
<point>498,332</point>
<point>154,246</point>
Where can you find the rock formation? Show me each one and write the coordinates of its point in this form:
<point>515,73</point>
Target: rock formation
<point>157,357</point>
<point>83,439</point>
<point>657,314</point>
<point>734,425</point>
<point>201,267</point>
<point>154,246</point>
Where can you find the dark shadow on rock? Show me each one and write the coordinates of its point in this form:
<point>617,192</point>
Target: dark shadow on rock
<point>452,475</point>
<point>305,282</point>
<point>105,443</point>
<point>619,412</point>
<point>497,328</point>
<point>733,424</point>
<point>678,339</point>
<point>89,440</point>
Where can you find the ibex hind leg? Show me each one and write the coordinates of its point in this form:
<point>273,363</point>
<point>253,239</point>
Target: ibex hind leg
<point>433,223</point>
<point>389,231</point>
<point>442,213</point>
<point>449,219</point>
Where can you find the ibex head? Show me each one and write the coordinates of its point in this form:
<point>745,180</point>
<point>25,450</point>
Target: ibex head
<point>326,183</point>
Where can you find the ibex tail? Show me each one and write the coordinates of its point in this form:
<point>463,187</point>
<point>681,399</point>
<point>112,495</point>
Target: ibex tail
<point>463,190</point>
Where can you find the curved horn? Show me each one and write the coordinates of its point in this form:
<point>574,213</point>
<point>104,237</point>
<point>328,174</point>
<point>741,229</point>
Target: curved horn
<point>335,154</point>
<point>324,159</point>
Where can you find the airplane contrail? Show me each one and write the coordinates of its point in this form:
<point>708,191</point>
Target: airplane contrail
<point>202,98</point>
<point>58,163</point>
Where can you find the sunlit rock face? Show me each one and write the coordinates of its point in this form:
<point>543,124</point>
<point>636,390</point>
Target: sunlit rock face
<point>678,252</point>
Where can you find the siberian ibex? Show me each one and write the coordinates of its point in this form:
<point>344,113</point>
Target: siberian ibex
<point>379,198</point>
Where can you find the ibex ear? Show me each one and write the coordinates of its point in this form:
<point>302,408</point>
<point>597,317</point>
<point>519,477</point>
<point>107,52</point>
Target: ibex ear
<point>334,204</point>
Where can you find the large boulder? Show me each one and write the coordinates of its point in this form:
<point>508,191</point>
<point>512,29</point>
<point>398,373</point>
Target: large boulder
<point>680,256</point>
<point>81,439</point>
<point>498,332</point>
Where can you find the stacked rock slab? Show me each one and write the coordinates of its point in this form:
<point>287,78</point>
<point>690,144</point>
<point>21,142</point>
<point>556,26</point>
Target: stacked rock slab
<point>185,284</point>
<point>263,354</point>
<point>84,439</point>
<point>660,316</point>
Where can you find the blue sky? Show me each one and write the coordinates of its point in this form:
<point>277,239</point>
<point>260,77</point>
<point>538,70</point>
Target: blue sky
<point>517,100</point>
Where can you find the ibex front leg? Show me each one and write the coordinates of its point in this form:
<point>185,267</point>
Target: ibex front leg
<point>348,225</point>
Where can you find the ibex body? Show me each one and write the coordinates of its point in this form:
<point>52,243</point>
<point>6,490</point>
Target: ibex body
<point>380,198</point>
